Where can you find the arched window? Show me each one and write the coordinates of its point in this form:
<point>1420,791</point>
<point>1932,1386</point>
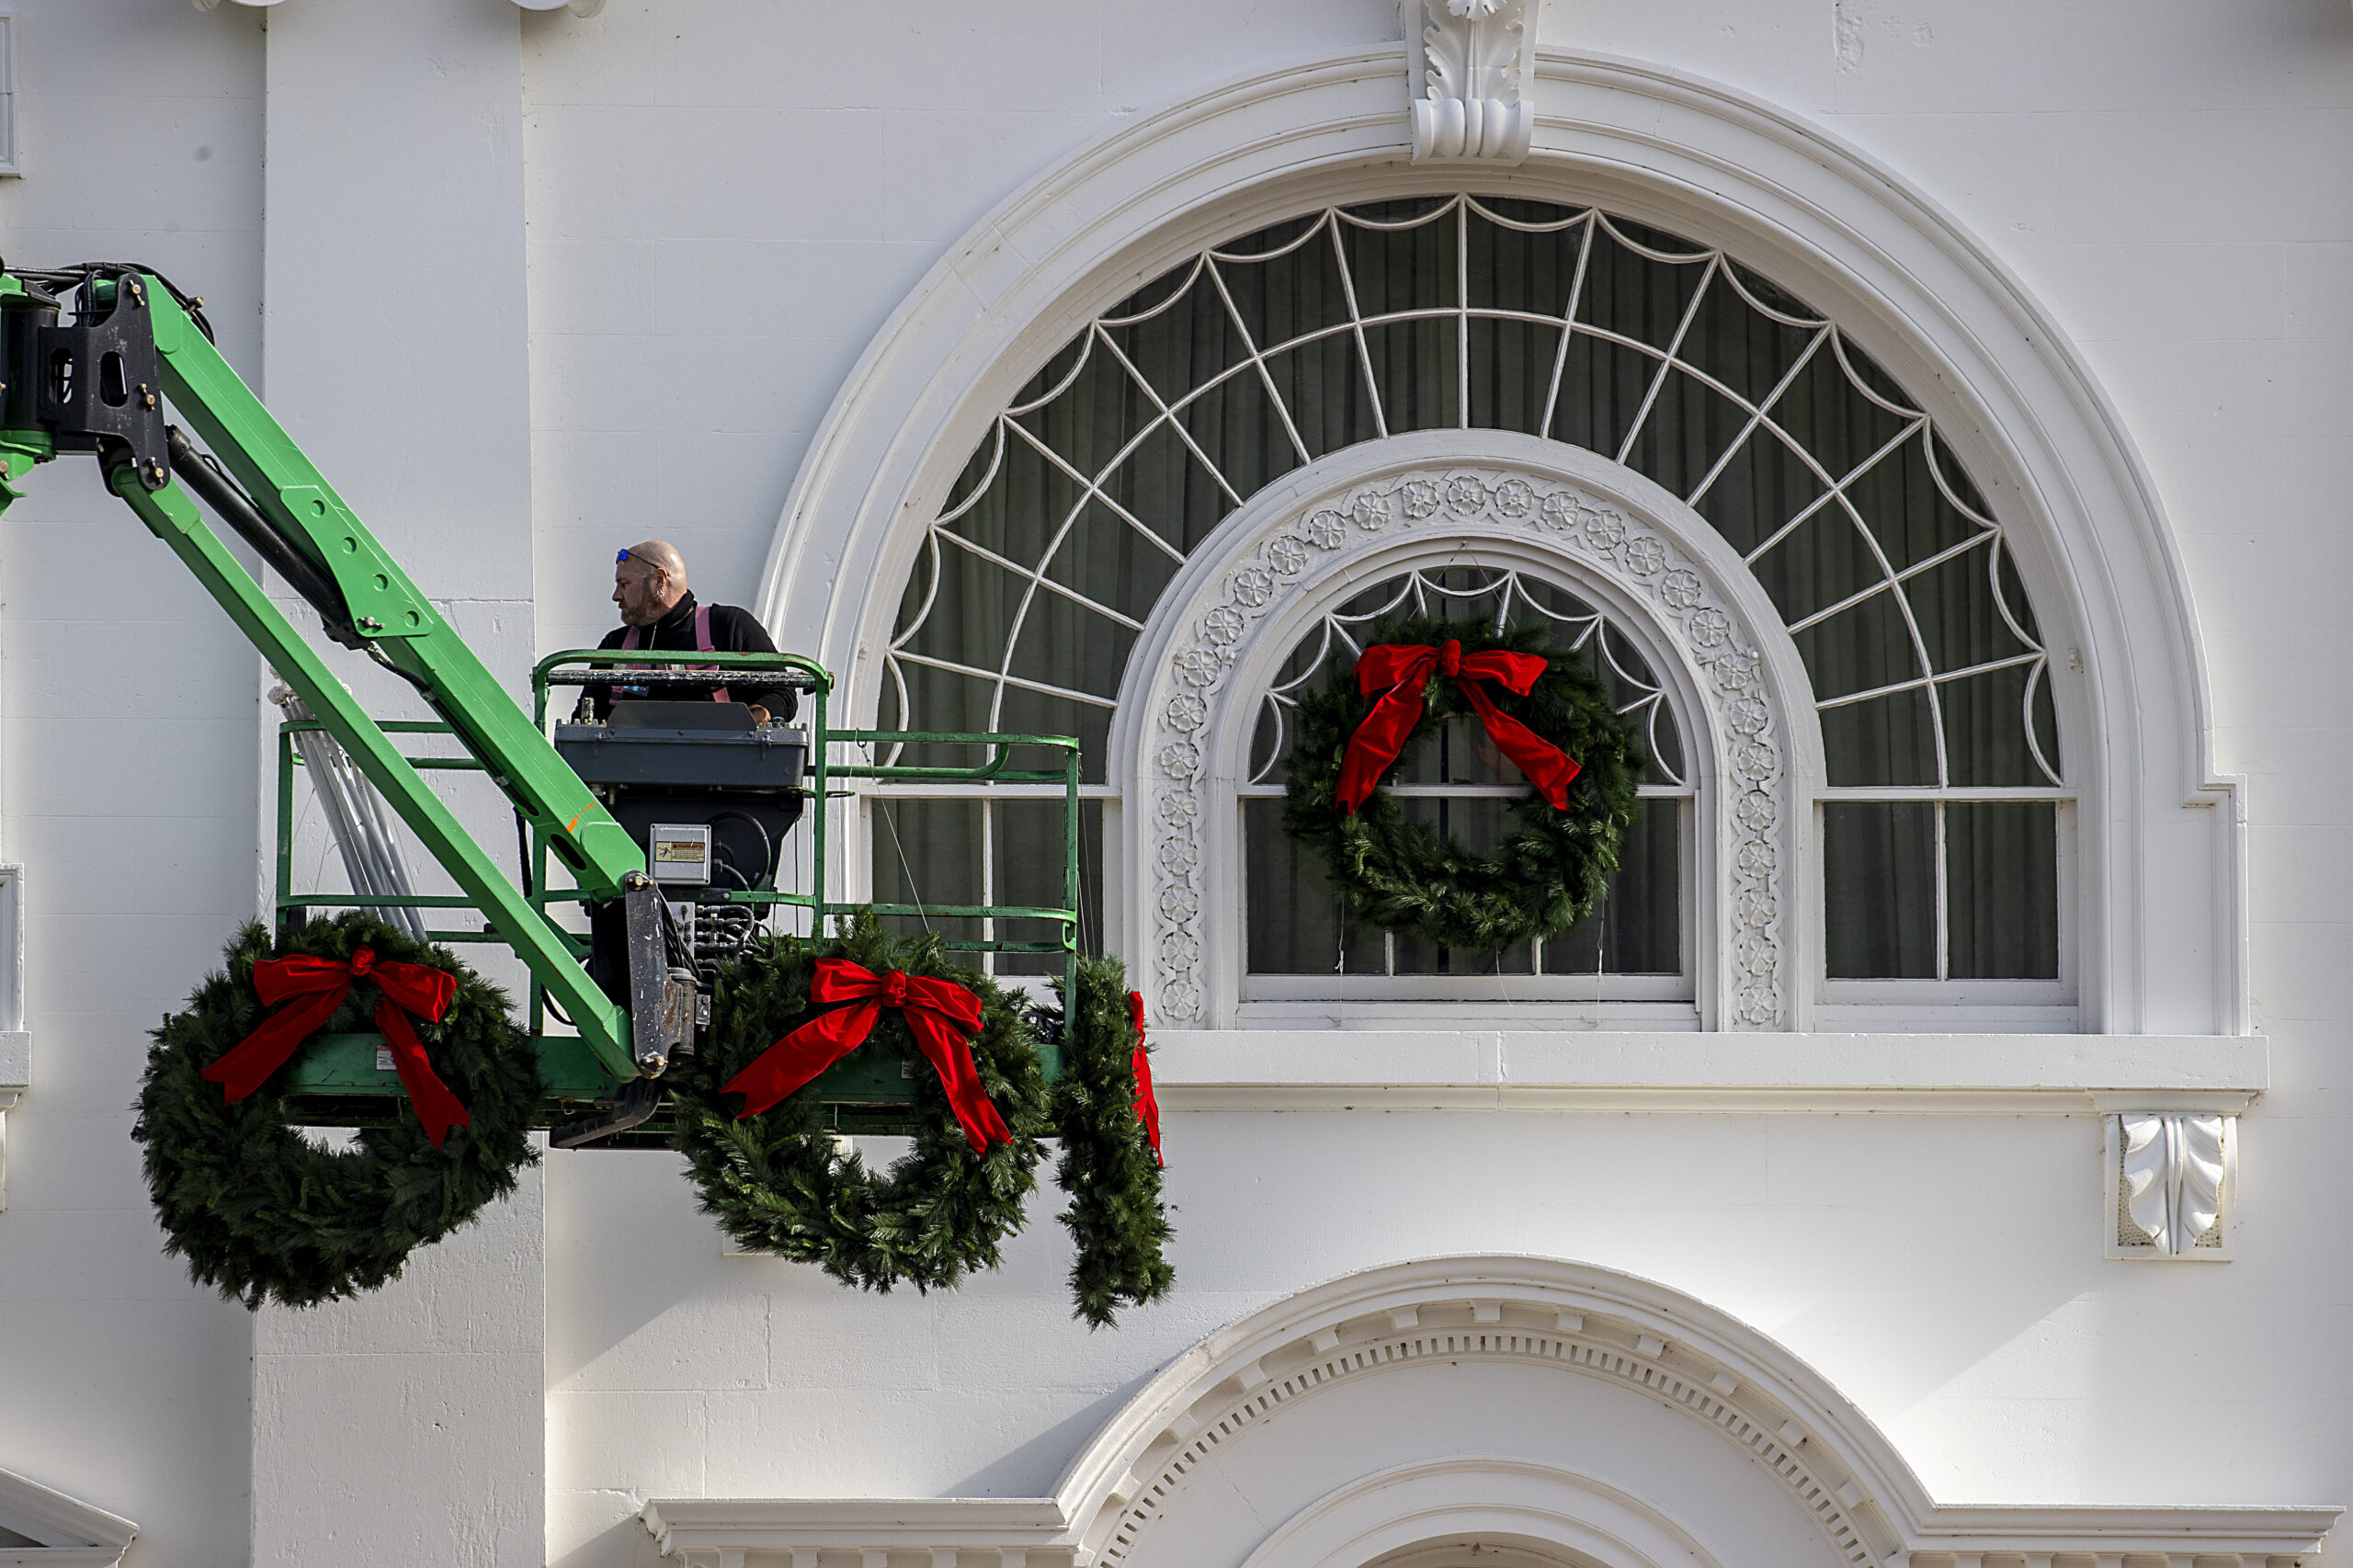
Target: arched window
<point>1940,814</point>
<point>1301,937</point>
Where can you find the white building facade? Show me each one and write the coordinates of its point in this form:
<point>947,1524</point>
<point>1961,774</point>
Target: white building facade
<point>1917,409</point>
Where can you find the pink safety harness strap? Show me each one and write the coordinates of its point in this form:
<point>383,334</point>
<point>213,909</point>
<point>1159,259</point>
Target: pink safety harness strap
<point>703,644</point>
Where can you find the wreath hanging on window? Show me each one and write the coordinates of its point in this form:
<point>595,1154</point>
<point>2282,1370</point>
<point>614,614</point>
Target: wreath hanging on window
<point>1540,708</point>
<point>258,1209</point>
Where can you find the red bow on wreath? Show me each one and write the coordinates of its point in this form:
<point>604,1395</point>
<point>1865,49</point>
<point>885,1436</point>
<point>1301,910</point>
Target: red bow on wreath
<point>1400,671</point>
<point>323,983</point>
<point>1147,1104</point>
<point>941,1014</point>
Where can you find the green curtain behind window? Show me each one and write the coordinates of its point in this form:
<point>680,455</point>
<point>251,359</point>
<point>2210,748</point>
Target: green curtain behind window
<point>1145,430</point>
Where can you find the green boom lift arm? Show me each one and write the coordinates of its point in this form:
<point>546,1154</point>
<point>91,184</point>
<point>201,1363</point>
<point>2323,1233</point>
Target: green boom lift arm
<point>98,385</point>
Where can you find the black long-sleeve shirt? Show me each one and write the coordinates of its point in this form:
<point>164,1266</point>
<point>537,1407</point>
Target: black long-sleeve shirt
<point>732,630</point>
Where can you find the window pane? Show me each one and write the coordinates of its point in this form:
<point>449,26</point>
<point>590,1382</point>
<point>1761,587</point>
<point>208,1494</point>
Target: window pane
<point>1637,928</point>
<point>1986,733</point>
<point>1030,871</point>
<point>1767,483</point>
<point>928,852</point>
<point>1642,915</point>
<point>1602,386</point>
<point>1294,914</point>
<point>1748,351</point>
<point>2002,865</point>
<point>1880,881</point>
<point>1687,431</point>
<point>1885,740</point>
<point>1295,924</point>
<point>1478,825</point>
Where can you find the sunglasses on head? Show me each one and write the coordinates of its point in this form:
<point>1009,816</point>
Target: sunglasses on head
<point>621,557</point>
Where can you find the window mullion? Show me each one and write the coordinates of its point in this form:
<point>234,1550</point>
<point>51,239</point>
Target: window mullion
<point>1568,330</point>
<point>988,881</point>
<point>1944,901</point>
<point>1463,312</point>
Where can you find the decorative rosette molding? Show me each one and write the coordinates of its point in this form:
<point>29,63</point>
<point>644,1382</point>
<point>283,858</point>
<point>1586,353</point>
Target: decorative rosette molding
<point>2175,1164</point>
<point>1316,543</point>
<point>1471,78</point>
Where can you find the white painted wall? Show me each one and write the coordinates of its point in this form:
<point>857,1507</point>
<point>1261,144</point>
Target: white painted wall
<point>687,218</point>
<point>127,720</point>
<point>406,1424</point>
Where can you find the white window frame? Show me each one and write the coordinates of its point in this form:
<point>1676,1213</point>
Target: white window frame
<point>11,158</point>
<point>1851,1003</point>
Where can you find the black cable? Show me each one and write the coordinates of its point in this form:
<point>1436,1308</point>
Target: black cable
<point>213,486</point>
<point>193,304</point>
<point>767,849</point>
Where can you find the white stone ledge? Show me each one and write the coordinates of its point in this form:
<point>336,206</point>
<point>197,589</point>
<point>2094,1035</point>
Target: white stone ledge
<point>1001,1532</point>
<point>2063,1074</point>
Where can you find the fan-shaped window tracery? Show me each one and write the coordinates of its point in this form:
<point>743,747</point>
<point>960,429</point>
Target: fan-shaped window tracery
<point>1946,792</point>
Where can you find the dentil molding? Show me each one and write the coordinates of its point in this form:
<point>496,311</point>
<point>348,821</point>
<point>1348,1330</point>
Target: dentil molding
<point>1549,1317</point>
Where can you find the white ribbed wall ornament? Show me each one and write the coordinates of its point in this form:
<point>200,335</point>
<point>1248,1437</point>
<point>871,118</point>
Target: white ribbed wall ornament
<point>2174,1166</point>
<point>1472,72</point>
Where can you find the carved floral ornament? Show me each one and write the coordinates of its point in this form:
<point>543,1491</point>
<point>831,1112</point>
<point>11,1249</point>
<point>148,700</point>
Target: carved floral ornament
<point>2175,1167</point>
<point>1594,538</point>
<point>1471,78</point>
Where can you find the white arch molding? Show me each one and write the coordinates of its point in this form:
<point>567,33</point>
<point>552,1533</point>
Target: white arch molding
<point>1179,740</point>
<point>2160,934</point>
<point>1437,1509</point>
<point>1577,1415</point>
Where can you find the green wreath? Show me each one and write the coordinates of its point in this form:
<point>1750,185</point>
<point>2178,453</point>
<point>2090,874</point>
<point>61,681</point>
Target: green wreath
<point>1108,1167</point>
<point>260,1211</point>
<point>778,1183</point>
<point>1546,873</point>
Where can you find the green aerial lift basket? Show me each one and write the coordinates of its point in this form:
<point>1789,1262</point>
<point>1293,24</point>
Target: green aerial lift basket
<point>340,1080</point>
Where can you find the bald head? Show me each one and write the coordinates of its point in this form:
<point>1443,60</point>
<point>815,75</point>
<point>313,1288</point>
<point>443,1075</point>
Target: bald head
<point>649,582</point>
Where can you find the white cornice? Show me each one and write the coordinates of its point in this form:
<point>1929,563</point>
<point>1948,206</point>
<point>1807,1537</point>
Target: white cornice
<point>691,1527</point>
<point>64,1529</point>
<point>1554,1316</point>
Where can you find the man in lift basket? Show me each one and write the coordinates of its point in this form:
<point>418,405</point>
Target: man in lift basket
<point>658,611</point>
